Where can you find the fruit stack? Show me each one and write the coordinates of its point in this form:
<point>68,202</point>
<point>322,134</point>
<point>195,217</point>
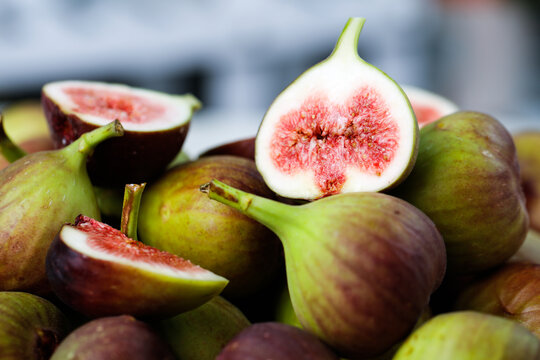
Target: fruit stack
<point>341,230</point>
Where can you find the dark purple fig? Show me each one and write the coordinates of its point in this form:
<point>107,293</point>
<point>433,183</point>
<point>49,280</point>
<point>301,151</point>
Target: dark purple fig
<point>176,217</point>
<point>360,266</point>
<point>243,148</point>
<point>512,291</point>
<point>30,327</point>
<point>269,341</point>
<point>114,338</point>
<point>466,179</point>
<point>155,124</point>
<point>202,333</point>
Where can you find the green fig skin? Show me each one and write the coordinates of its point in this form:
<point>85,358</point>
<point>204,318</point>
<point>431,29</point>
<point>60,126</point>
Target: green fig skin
<point>30,326</point>
<point>38,194</point>
<point>269,340</point>
<point>360,266</point>
<point>175,217</point>
<point>527,145</point>
<point>468,335</point>
<point>512,291</point>
<point>202,333</point>
<point>466,179</point>
<point>117,337</point>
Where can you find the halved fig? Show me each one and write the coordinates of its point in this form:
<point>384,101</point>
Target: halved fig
<point>155,124</point>
<point>428,106</point>
<point>99,271</point>
<point>342,126</point>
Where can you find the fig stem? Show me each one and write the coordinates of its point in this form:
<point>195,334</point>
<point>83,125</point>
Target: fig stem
<point>130,209</point>
<point>347,45</point>
<point>8,148</point>
<point>86,143</point>
<point>270,213</point>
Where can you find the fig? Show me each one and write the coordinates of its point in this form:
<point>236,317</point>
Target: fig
<point>114,338</point>
<point>470,335</point>
<point>101,271</point>
<point>155,126</point>
<point>243,148</point>
<point>202,333</point>
<point>268,340</point>
<point>360,266</point>
<point>26,125</point>
<point>177,218</point>
<point>342,126</point>
<point>527,145</point>
<point>30,326</point>
<point>428,106</point>
<point>39,193</point>
<point>512,291</point>
<point>466,179</point>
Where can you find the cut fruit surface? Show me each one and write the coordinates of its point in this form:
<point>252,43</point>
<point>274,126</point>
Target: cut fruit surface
<point>428,107</point>
<point>99,271</point>
<point>137,109</point>
<point>342,126</point>
<point>155,124</point>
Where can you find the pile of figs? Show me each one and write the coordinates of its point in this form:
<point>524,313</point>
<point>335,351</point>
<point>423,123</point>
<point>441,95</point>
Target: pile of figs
<point>364,220</point>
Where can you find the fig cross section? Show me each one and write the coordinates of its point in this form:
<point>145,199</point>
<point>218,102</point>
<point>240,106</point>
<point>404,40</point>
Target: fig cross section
<point>342,126</point>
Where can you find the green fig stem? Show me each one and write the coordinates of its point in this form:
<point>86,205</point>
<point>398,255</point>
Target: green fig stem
<point>130,209</point>
<point>87,142</point>
<point>7,147</point>
<point>347,44</point>
<point>268,212</point>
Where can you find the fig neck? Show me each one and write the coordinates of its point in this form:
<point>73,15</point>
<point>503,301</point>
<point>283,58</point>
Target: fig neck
<point>84,146</point>
<point>347,45</point>
<point>272,214</point>
<point>130,209</point>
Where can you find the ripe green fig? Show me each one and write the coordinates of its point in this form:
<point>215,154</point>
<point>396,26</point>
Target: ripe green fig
<point>466,179</point>
<point>101,271</point>
<point>177,218</point>
<point>243,148</point>
<point>527,145</point>
<point>39,193</point>
<point>156,125</point>
<point>203,332</point>
<point>114,338</point>
<point>342,126</point>
<point>469,335</point>
<point>360,266</point>
<point>428,106</point>
<point>269,340</point>
<point>512,291</point>
<point>30,326</point>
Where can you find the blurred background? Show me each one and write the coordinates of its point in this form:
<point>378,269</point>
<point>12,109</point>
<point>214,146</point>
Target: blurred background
<point>237,55</point>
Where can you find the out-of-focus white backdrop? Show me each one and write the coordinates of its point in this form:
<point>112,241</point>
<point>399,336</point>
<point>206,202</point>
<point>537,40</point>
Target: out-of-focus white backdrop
<point>237,55</point>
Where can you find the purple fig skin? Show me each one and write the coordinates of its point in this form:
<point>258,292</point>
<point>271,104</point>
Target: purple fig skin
<point>137,157</point>
<point>273,341</point>
<point>243,148</point>
<point>30,326</point>
<point>176,217</point>
<point>511,291</point>
<point>360,266</point>
<point>98,288</point>
<point>466,179</point>
<point>108,338</point>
